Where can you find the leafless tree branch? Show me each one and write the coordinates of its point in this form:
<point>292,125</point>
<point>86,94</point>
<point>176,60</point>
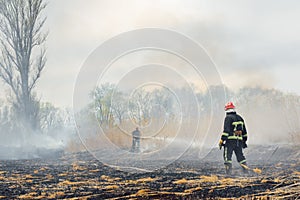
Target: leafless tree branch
<point>21,35</point>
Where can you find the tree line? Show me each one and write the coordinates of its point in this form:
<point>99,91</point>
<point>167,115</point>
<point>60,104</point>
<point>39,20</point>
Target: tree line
<point>270,114</point>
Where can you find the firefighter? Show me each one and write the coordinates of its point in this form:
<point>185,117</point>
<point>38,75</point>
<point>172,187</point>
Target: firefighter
<point>136,136</point>
<point>234,138</point>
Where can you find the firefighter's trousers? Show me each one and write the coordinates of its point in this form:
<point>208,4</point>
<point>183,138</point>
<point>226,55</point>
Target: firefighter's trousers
<point>236,147</point>
<point>135,144</point>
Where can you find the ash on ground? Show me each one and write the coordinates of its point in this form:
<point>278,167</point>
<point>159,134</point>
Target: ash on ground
<point>81,176</point>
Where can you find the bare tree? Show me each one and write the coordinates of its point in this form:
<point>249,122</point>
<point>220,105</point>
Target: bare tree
<point>22,54</point>
<point>140,106</point>
<point>103,103</point>
<point>119,106</point>
<point>51,118</point>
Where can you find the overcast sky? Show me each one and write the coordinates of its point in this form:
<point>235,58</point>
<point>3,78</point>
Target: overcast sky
<point>252,42</point>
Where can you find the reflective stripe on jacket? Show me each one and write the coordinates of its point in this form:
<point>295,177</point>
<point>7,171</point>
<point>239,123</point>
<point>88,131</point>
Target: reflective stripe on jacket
<point>234,127</point>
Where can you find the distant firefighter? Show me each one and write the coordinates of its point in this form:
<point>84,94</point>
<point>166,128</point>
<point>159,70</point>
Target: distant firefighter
<point>136,138</point>
<point>234,138</point>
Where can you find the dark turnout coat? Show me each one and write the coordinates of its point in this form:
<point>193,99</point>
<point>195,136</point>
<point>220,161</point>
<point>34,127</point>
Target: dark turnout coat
<point>234,123</point>
<point>235,135</point>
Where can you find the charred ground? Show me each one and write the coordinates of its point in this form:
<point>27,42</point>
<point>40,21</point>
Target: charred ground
<point>80,176</point>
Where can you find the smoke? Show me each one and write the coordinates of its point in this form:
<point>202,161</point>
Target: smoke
<point>35,146</point>
<point>237,53</point>
<point>272,116</point>
<point>250,78</point>
<point>249,71</point>
<point>20,143</point>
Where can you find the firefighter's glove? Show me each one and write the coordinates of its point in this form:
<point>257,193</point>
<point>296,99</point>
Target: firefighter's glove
<point>221,143</point>
<point>244,145</point>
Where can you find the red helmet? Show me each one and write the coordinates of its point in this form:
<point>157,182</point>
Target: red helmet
<point>229,105</point>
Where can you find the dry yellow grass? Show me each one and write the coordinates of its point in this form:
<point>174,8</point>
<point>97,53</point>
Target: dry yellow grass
<point>208,179</point>
<point>227,181</point>
<point>212,178</point>
<point>277,180</point>
<point>28,196</point>
<point>191,190</point>
<point>109,179</point>
<point>67,182</point>
<point>104,177</point>
<point>13,186</point>
<point>147,179</point>
<point>181,181</point>
<point>195,182</point>
<point>296,173</point>
<point>56,195</point>
<point>143,192</point>
<point>49,176</point>
<point>27,176</point>
<point>43,168</point>
<point>94,170</point>
<point>59,194</point>
<point>264,181</point>
<point>166,188</point>
<point>111,187</point>
<point>258,171</point>
<point>77,167</point>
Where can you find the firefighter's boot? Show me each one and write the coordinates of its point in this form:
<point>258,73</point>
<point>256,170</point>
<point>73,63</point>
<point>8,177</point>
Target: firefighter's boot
<point>228,168</point>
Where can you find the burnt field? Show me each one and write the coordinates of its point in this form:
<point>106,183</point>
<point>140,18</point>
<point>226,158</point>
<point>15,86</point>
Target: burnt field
<point>80,176</point>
